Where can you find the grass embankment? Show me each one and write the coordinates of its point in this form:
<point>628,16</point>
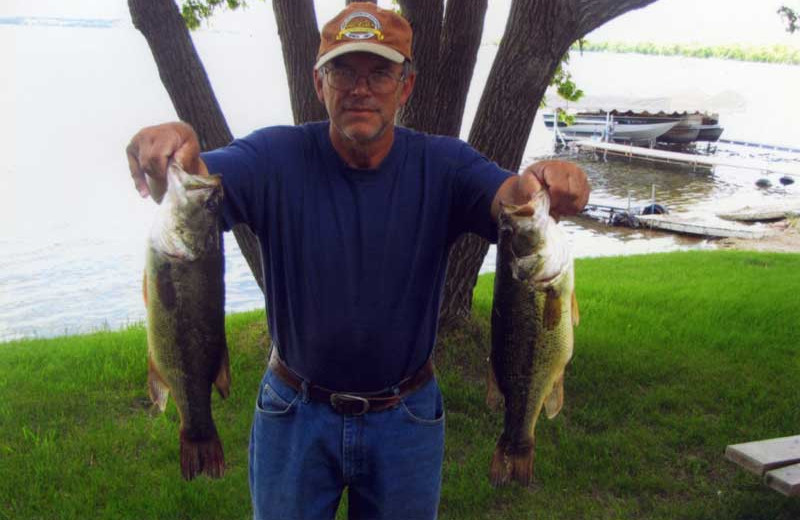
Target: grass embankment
<point>677,355</point>
<point>764,53</point>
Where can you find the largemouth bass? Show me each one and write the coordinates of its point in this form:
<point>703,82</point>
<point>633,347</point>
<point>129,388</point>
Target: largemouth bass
<point>533,314</point>
<point>185,298</point>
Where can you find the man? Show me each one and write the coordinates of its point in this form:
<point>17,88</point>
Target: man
<point>355,218</point>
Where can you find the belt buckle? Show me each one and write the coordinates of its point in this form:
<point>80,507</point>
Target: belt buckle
<point>349,404</point>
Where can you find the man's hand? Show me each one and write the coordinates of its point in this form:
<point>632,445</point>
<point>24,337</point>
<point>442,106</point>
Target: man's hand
<point>565,182</point>
<point>150,151</point>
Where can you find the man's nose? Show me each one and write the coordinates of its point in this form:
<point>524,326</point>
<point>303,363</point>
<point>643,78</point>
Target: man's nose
<point>361,85</point>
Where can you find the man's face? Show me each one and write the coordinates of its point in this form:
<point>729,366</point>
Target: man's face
<point>360,115</point>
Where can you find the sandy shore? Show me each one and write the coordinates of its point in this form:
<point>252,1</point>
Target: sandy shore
<point>784,238</point>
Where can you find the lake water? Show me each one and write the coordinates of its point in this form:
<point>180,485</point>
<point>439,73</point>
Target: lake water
<point>72,244</point>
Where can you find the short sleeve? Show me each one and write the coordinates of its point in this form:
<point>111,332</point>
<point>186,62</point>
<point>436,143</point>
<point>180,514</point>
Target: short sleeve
<point>475,183</point>
<point>243,165</point>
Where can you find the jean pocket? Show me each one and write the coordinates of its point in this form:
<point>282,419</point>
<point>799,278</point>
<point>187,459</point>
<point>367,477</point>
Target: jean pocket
<point>425,406</point>
<point>275,397</point>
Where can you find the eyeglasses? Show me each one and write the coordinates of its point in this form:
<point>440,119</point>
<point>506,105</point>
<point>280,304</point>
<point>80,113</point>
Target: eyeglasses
<point>379,82</point>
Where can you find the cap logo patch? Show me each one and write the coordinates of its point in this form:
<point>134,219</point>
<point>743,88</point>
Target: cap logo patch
<point>360,26</point>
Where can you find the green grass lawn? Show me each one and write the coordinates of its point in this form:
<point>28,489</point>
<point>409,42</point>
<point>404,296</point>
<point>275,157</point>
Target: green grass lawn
<point>677,355</point>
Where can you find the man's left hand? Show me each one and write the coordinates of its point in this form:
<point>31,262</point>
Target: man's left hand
<point>566,183</point>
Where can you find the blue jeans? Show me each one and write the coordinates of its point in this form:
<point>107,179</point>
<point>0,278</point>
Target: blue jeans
<point>303,454</point>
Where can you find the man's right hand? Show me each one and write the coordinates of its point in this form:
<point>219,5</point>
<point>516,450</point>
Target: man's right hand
<point>153,147</point>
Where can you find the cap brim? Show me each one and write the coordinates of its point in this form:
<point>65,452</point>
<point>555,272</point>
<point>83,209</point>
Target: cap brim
<point>381,50</point>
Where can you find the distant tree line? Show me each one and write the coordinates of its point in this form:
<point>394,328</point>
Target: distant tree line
<point>767,54</point>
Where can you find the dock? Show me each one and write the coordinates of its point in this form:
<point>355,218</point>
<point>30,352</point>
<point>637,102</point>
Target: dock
<point>706,161</point>
<point>777,461</point>
<point>695,227</point>
<point>655,216</point>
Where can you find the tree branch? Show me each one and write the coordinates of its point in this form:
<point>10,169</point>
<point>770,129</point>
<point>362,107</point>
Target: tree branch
<point>425,17</point>
<point>594,13</point>
<point>297,28</point>
<point>458,54</point>
<point>181,71</point>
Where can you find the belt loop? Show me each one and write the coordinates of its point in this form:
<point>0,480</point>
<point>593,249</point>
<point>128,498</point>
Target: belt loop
<point>304,391</point>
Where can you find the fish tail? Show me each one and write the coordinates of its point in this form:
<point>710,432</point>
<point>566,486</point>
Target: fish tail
<point>498,469</point>
<point>201,457</point>
<point>522,467</point>
<point>516,466</point>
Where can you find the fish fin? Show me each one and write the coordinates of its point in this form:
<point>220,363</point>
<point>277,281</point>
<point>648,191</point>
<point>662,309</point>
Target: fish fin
<point>158,389</point>
<point>223,380</point>
<point>144,288</point>
<point>494,399</point>
<point>576,315</point>
<point>203,457</point>
<point>554,401</point>
<point>552,309</point>
<point>516,466</point>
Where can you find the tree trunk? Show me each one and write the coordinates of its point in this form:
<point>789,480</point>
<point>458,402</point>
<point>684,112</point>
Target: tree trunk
<point>538,34</point>
<point>458,54</point>
<point>297,28</point>
<point>425,18</point>
<point>445,52</point>
<point>180,69</point>
<point>183,75</point>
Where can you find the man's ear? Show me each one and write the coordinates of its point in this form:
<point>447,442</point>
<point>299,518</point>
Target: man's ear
<point>408,87</point>
<point>318,85</point>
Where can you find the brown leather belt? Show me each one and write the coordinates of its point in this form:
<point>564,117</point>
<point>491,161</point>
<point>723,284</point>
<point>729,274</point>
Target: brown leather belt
<point>354,403</point>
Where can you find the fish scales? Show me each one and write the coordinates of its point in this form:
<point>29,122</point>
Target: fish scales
<point>185,298</point>
<point>533,314</point>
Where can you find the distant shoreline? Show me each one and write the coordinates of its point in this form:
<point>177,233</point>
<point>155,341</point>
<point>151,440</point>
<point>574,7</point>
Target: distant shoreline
<point>779,54</point>
<point>53,21</point>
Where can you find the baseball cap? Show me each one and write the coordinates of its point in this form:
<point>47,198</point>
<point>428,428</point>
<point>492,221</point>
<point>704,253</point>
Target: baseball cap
<point>365,27</point>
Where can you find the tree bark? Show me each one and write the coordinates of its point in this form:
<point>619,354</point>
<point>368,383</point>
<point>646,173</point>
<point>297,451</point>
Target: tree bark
<point>538,34</point>
<point>185,79</point>
<point>181,70</point>
<point>425,18</point>
<point>297,28</point>
<point>458,54</point>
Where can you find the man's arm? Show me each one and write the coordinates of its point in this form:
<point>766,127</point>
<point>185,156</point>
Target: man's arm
<point>566,183</point>
<point>150,151</point>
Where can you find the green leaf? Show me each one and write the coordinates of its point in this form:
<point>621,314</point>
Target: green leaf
<point>194,12</point>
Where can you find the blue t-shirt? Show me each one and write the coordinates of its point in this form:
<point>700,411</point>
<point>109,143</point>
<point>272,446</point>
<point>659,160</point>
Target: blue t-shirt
<point>355,260</point>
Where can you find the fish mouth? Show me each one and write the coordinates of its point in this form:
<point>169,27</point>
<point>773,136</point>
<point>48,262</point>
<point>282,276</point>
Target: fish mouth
<point>517,210</point>
<point>527,209</point>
